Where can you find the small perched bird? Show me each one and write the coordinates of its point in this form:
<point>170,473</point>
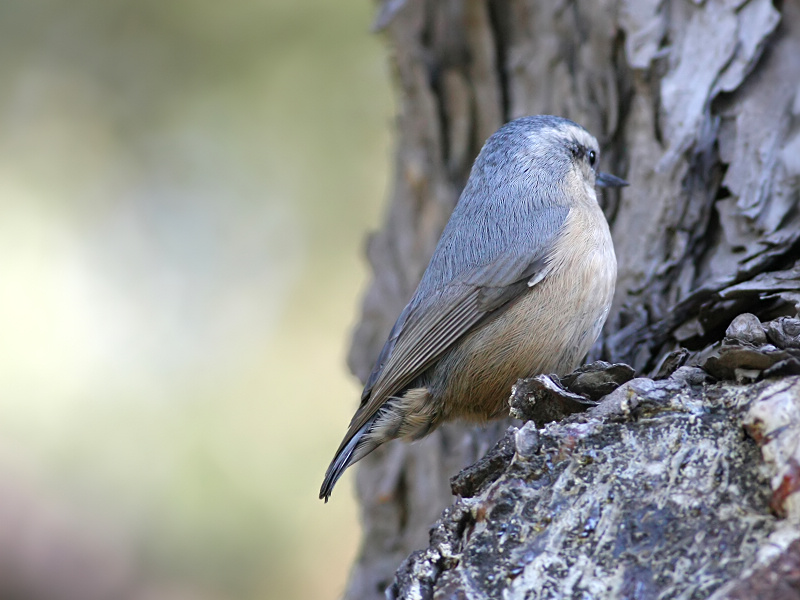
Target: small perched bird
<point>520,284</point>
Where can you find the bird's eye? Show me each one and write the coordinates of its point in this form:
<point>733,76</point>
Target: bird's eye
<point>592,157</point>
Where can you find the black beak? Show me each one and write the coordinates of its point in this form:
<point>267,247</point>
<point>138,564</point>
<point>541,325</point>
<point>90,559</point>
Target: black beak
<point>608,180</point>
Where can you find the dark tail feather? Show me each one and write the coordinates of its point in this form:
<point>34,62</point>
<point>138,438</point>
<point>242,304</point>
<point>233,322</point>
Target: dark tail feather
<point>346,456</point>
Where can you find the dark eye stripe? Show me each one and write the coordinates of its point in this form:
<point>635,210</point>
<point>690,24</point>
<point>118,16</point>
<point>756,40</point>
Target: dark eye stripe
<point>580,151</point>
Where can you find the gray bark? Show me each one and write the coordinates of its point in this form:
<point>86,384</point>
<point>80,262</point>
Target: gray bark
<point>694,103</point>
<point>683,487</point>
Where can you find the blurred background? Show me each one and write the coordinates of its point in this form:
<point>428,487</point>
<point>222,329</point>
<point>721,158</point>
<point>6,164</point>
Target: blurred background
<point>185,189</point>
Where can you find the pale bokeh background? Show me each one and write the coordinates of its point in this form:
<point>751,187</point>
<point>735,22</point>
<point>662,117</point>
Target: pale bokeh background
<point>185,188</point>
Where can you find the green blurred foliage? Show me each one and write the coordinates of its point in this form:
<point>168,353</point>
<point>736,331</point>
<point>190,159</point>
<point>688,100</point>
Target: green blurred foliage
<point>185,187</point>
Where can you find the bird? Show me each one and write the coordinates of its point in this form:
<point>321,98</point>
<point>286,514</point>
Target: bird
<point>520,283</point>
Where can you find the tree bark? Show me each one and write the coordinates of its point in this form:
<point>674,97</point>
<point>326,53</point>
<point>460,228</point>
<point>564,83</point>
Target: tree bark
<point>694,103</point>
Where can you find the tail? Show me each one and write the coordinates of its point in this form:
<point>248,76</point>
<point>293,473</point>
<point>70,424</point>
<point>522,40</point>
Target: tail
<point>353,451</point>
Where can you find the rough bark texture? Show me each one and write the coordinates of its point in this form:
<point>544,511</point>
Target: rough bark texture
<point>694,103</point>
<point>658,491</point>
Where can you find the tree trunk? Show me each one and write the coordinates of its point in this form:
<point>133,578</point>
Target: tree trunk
<point>694,103</point>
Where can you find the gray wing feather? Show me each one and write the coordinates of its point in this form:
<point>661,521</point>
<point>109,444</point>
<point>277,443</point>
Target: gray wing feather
<point>427,328</point>
<point>385,352</point>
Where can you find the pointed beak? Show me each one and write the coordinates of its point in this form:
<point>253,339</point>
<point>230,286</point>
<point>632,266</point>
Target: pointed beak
<point>608,180</point>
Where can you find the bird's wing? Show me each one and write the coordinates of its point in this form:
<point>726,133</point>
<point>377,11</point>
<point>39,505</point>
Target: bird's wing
<point>425,330</point>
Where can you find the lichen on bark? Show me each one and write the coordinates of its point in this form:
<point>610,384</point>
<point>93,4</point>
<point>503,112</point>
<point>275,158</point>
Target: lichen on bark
<point>695,103</point>
<point>672,488</point>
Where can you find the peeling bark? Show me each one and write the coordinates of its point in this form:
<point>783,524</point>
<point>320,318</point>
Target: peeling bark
<point>685,487</point>
<point>694,103</point>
